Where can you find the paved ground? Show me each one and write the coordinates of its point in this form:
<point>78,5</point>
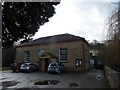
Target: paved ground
<point>91,79</point>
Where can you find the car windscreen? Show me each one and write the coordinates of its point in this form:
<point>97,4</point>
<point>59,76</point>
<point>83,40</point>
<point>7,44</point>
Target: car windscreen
<point>53,65</point>
<point>31,64</point>
<point>23,65</point>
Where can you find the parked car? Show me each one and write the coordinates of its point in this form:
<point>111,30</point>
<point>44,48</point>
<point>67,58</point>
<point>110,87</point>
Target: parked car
<point>98,65</point>
<point>15,66</point>
<point>118,69</point>
<point>56,67</point>
<point>29,67</point>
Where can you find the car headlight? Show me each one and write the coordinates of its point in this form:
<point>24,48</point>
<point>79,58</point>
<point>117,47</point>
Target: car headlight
<point>27,67</point>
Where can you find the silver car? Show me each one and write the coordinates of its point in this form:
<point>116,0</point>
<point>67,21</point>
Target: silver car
<point>28,67</point>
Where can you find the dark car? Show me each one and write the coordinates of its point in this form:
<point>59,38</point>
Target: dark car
<point>15,66</point>
<point>56,67</point>
<point>118,69</point>
<point>29,67</point>
<point>98,65</point>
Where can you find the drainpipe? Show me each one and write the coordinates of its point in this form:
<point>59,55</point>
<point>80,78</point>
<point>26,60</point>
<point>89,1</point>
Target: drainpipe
<point>83,56</point>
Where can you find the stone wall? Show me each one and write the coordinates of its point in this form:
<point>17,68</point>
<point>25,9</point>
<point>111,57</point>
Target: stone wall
<point>74,51</point>
<point>113,77</point>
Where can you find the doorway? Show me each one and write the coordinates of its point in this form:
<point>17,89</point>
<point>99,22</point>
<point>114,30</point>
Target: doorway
<point>46,63</point>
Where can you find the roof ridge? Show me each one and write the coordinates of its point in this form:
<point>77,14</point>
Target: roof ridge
<point>53,35</point>
<point>53,39</point>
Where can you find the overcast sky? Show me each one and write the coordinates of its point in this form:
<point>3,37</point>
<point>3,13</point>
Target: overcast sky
<point>79,17</point>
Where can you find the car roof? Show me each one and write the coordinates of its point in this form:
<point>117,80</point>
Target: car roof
<point>27,63</point>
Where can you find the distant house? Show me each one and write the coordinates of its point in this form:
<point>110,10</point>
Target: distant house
<point>71,50</point>
<point>96,51</point>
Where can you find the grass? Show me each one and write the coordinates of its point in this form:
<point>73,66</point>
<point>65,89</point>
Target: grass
<point>4,68</point>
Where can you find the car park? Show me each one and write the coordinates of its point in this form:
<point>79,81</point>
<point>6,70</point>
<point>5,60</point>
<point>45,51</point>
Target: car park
<point>16,66</point>
<point>56,67</point>
<point>28,67</point>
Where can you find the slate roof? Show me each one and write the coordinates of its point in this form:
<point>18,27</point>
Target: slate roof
<point>53,39</point>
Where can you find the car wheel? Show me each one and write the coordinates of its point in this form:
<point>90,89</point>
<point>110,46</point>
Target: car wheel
<point>30,70</point>
<point>14,70</point>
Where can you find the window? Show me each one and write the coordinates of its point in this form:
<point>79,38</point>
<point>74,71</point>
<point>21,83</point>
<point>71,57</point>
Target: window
<point>40,52</point>
<point>26,56</point>
<point>63,55</point>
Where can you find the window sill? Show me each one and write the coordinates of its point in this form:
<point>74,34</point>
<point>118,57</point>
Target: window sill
<point>63,61</point>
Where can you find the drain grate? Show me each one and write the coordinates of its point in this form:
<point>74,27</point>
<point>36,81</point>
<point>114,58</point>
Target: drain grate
<point>99,77</point>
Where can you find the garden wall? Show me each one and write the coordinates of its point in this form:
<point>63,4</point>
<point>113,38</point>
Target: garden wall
<point>113,77</point>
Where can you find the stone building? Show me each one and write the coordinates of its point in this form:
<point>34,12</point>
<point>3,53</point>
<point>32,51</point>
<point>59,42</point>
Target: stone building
<point>71,50</point>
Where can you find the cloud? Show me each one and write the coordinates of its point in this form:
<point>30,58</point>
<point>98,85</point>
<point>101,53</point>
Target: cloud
<point>85,19</point>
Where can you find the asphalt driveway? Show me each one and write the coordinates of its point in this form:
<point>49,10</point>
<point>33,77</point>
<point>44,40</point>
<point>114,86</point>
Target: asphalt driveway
<point>91,79</point>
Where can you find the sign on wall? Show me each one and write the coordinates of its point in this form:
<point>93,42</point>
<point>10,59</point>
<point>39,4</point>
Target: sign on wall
<point>78,62</point>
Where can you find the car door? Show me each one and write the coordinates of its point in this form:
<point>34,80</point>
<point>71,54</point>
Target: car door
<point>31,66</point>
<point>61,66</point>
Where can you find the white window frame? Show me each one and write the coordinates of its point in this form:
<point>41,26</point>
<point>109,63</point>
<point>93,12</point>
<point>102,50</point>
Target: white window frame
<point>63,54</point>
<point>26,55</point>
